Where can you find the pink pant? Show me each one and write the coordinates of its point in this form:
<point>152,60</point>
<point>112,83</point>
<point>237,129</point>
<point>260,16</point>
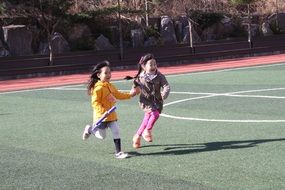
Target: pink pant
<point>148,121</point>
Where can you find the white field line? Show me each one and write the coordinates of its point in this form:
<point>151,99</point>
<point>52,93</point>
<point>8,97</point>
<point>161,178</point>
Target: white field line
<point>209,95</point>
<point>172,75</point>
<point>66,87</point>
<point>27,90</point>
<point>222,120</point>
<point>234,94</point>
<point>188,99</point>
<point>256,96</point>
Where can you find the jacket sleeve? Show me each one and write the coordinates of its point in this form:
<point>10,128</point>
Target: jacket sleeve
<point>97,101</point>
<point>119,95</point>
<point>165,87</point>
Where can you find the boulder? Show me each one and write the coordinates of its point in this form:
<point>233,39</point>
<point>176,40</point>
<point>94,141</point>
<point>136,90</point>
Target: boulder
<point>266,30</point>
<point>277,19</point>
<point>79,31</point>
<point>254,29</point>
<point>167,30</point>
<point>219,30</point>
<point>103,43</point>
<point>114,34</point>
<point>137,38</point>
<point>183,20</point>
<point>179,31</point>
<point>213,32</point>
<point>3,47</point>
<point>186,36</point>
<point>3,51</point>
<point>43,48</point>
<point>59,44</point>
<point>151,41</point>
<point>19,39</point>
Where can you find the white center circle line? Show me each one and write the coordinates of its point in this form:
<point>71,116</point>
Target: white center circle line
<point>231,94</point>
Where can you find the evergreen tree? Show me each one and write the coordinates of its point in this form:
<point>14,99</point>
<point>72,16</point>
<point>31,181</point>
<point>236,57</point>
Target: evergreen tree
<point>2,8</point>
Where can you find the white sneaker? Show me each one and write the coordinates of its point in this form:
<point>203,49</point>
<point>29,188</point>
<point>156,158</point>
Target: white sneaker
<point>121,155</point>
<point>86,133</point>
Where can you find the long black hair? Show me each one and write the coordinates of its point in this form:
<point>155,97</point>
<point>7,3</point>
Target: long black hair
<point>142,61</point>
<point>94,75</point>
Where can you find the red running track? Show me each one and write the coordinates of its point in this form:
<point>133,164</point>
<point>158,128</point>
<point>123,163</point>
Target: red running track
<point>39,82</point>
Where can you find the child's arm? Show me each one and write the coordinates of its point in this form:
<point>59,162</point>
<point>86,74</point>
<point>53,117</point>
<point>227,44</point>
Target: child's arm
<point>120,95</point>
<point>165,87</point>
<point>136,88</point>
<point>135,91</point>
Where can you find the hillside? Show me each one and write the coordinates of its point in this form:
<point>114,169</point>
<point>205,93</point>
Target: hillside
<point>77,25</point>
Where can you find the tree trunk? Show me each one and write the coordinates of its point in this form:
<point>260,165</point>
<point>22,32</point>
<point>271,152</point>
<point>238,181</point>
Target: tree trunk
<point>120,31</point>
<point>249,27</point>
<point>191,36</point>
<point>146,12</point>
<point>277,12</point>
<point>50,50</point>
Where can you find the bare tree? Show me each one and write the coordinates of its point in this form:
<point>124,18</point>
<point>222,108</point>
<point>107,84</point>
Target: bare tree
<point>49,14</point>
<point>120,31</point>
<point>241,4</point>
<point>184,7</point>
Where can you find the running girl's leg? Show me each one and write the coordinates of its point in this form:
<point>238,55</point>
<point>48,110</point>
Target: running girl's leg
<point>144,123</point>
<point>154,115</point>
<point>117,140</point>
<point>115,129</point>
<point>137,136</point>
<point>100,131</point>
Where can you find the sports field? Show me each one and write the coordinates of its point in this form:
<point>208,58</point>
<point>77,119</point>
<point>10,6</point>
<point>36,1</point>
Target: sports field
<point>220,129</point>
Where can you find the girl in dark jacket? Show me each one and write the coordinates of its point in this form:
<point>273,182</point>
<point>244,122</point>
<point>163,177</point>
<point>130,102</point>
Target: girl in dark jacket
<point>153,88</point>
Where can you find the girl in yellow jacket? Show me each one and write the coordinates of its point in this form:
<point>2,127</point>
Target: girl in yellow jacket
<point>103,97</point>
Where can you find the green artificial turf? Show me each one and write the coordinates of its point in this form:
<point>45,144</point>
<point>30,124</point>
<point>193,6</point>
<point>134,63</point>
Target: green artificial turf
<point>41,145</point>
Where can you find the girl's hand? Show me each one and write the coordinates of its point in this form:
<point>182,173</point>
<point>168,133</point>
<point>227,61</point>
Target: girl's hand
<point>135,91</point>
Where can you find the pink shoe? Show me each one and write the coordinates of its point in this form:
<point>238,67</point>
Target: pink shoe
<point>147,136</point>
<point>136,141</point>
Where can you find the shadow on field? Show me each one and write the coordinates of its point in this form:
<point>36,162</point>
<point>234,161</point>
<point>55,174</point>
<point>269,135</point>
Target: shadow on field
<point>180,149</point>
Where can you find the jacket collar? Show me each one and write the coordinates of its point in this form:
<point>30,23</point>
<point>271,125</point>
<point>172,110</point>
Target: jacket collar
<point>100,83</point>
<point>147,76</point>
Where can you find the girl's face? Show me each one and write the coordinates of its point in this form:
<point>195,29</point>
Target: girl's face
<point>105,74</point>
<point>150,66</point>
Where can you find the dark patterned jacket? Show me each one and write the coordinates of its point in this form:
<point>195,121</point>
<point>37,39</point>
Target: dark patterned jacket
<point>154,89</point>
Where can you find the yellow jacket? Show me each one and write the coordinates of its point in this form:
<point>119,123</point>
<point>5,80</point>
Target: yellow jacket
<point>104,96</point>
